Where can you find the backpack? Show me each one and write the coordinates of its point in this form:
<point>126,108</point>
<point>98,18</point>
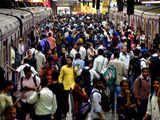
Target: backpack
<point>86,76</point>
<point>154,66</point>
<point>105,100</point>
<point>110,75</point>
<point>136,67</point>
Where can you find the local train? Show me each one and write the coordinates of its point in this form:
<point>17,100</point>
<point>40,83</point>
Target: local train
<point>16,23</point>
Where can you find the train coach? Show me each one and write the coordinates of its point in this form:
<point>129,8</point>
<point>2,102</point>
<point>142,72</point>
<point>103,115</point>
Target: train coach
<point>18,22</point>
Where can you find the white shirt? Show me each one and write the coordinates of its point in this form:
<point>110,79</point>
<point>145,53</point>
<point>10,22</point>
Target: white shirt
<point>153,108</point>
<point>100,63</point>
<point>41,59</point>
<point>82,52</point>
<point>12,56</point>
<point>21,48</point>
<point>95,101</point>
<point>143,63</point>
<point>125,59</point>
<point>33,50</point>
<point>73,53</point>
<point>93,74</point>
<point>21,67</point>
<point>46,103</point>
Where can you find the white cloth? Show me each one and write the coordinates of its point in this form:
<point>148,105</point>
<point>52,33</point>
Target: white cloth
<point>143,63</point>
<point>95,101</point>
<point>12,56</point>
<point>82,52</point>
<point>93,75</point>
<point>73,53</point>
<point>46,103</point>
<point>125,59</point>
<point>21,67</point>
<point>100,63</point>
<point>41,59</point>
<point>33,50</point>
<point>21,48</point>
<point>153,107</point>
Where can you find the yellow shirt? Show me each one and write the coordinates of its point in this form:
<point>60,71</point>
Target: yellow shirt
<point>67,77</point>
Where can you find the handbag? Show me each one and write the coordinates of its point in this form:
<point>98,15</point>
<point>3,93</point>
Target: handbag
<point>84,108</point>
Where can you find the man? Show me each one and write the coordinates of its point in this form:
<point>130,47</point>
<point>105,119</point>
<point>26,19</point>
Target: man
<point>67,78</point>
<point>48,68</point>
<point>10,113</point>
<point>80,64</point>
<point>70,40</point>
<point>154,64</point>
<point>52,42</point>
<point>134,67</point>
<point>96,108</point>
<point>44,43</point>
<point>74,51</point>
<point>40,58</point>
<point>27,85</point>
<point>82,51</point>
<point>21,47</point>
<point>126,102</point>
<point>100,62</point>
<point>153,109</point>
<point>124,57</point>
<point>141,89</point>
<point>120,69</point>
<point>5,98</point>
<point>45,102</point>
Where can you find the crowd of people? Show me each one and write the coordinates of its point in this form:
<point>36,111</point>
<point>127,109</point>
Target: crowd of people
<point>78,67</point>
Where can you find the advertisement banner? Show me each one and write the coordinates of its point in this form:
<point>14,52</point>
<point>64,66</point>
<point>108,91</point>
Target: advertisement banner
<point>88,9</point>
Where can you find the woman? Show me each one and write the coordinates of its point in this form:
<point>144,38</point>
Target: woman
<point>79,96</point>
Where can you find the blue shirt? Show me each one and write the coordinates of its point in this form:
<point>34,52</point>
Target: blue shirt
<point>43,43</point>
<point>80,64</point>
<point>70,39</point>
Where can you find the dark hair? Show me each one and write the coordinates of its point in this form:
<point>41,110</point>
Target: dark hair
<point>49,34</point>
<point>69,57</point>
<point>44,82</point>
<point>7,83</point>
<point>27,69</point>
<point>26,61</point>
<point>145,68</point>
<point>8,109</point>
<point>157,79</point>
<point>100,51</point>
<point>136,52</point>
<point>78,56</point>
<point>122,82</point>
<point>39,48</point>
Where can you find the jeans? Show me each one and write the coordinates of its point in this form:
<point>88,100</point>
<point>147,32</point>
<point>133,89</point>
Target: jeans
<point>142,108</point>
<point>114,92</point>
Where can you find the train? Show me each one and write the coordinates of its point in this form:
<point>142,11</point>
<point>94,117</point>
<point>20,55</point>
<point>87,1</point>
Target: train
<point>18,22</point>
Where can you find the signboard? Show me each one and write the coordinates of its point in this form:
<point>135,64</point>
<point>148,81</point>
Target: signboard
<point>88,9</point>
<point>63,10</point>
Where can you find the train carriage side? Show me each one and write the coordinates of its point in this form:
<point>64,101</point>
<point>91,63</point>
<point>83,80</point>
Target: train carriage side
<point>9,32</point>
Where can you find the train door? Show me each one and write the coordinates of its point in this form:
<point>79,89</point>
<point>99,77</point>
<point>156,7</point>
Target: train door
<point>1,51</point>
